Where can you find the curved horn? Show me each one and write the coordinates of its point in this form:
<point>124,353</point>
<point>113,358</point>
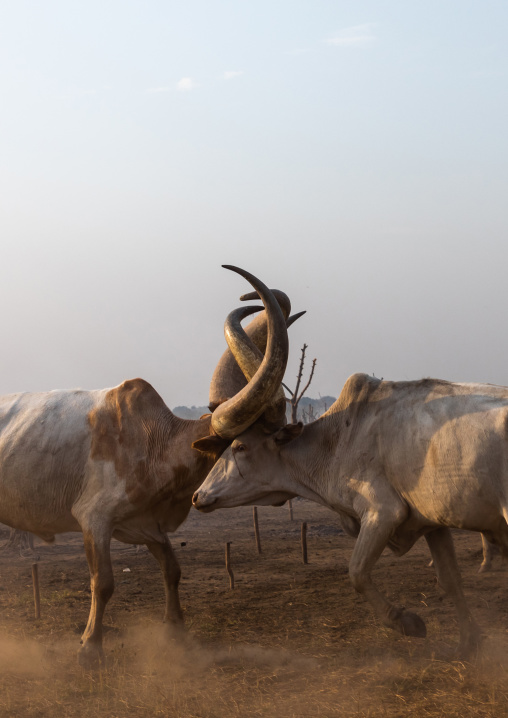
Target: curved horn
<point>281,297</point>
<point>238,413</point>
<point>247,355</point>
<point>249,358</point>
<point>228,379</point>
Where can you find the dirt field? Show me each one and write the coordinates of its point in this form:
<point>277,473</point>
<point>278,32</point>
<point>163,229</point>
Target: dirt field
<point>290,640</point>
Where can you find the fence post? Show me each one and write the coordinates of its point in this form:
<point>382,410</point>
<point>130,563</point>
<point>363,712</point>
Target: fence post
<point>256,528</point>
<point>304,542</point>
<point>37,595</point>
<point>290,506</point>
<point>228,566</point>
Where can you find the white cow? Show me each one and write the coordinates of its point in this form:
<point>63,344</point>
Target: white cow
<point>396,461</point>
<point>117,463</point>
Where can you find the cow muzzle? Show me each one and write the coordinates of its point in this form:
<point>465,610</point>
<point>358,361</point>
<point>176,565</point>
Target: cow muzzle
<point>202,503</point>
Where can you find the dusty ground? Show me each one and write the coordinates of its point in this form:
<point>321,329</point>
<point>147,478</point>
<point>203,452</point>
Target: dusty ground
<point>290,640</point>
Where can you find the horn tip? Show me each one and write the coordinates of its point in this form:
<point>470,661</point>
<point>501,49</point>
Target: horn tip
<point>250,295</point>
<point>292,319</point>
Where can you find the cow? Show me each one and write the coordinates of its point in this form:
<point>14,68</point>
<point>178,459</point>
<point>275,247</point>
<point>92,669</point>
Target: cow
<point>396,460</point>
<point>488,550</point>
<point>118,463</point>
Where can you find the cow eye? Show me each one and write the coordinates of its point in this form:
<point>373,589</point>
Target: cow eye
<point>239,447</point>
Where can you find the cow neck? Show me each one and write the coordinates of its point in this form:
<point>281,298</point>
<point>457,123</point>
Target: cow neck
<point>179,434</point>
<point>312,455</point>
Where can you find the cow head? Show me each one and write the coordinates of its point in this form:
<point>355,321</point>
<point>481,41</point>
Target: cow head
<point>256,412</point>
<point>251,471</point>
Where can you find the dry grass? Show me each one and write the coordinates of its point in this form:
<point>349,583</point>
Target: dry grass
<point>147,676</point>
<point>290,641</point>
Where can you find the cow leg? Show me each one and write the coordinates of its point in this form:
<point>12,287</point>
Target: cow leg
<point>165,556</point>
<point>443,552</point>
<point>374,534</point>
<point>97,548</point>
<point>486,564</point>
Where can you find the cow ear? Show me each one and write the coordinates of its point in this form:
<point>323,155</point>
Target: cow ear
<point>211,445</point>
<point>288,433</point>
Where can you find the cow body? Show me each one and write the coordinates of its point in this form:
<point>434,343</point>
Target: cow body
<point>113,462</point>
<point>397,461</point>
<point>437,450</point>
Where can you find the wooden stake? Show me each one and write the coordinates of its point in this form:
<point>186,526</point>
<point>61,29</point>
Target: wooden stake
<point>256,528</point>
<point>290,506</point>
<point>37,595</point>
<point>304,542</point>
<point>228,567</point>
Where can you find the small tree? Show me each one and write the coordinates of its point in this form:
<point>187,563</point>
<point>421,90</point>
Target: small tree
<point>309,415</point>
<point>296,395</point>
<point>23,541</point>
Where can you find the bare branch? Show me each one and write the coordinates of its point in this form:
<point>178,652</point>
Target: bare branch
<point>310,379</point>
<point>296,395</point>
<point>300,370</point>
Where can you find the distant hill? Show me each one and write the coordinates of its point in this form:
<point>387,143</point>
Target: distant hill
<point>308,409</point>
<point>190,412</point>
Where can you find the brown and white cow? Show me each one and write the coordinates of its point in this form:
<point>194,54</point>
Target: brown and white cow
<point>117,462</point>
<point>396,461</point>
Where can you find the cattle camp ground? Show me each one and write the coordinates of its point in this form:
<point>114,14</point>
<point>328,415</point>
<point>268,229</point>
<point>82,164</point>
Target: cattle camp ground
<point>290,639</point>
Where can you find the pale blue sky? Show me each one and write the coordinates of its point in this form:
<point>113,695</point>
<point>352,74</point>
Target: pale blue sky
<point>354,154</point>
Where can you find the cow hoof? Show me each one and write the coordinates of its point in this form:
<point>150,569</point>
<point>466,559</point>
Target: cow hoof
<point>412,625</point>
<point>175,630</point>
<point>90,657</point>
<point>469,647</point>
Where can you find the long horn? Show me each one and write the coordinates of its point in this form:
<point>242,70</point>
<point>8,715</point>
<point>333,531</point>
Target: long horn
<point>281,297</point>
<point>238,413</point>
<point>228,379</point>
<point>247,355</point>
<point>249,358</point>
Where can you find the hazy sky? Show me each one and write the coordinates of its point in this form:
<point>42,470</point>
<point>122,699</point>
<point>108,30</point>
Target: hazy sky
<point>353,154</point>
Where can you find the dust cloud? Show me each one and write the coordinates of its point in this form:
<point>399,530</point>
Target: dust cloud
<point>148,674</point>
<point>156,650</point>
<point>22,658</point>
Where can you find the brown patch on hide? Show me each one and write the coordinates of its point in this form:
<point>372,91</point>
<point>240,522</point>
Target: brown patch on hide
<point>433,455</point>
<point>125,428</point>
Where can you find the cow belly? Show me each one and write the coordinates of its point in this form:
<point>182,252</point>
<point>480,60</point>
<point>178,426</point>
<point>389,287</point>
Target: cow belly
<point>41,514</point>
<point>38,489</point>
<point>45,530</point>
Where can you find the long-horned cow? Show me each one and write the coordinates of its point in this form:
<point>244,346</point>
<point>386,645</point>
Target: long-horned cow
<point>396,461</point>
<point>118,463</point>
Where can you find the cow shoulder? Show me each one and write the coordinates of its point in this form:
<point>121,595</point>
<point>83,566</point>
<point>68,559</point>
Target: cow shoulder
<point>125,428</point>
